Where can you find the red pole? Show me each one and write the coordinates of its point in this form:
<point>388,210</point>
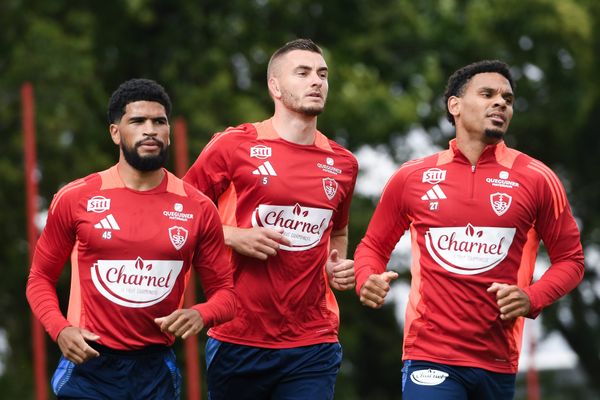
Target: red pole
<point>533,384</point>
<point>31,188</point>
<point>191,344</point>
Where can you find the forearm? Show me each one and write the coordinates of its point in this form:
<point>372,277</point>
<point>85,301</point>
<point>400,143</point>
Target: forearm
<point>339,242</point>
<point>219,308</point>
<point>559,280</point>
<point>42,298</point>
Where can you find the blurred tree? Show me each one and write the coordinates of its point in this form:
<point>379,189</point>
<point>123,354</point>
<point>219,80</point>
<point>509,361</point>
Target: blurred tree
<point>389,61</point>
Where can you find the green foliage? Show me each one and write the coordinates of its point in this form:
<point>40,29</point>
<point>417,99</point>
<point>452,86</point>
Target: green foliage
<point>389,61</point>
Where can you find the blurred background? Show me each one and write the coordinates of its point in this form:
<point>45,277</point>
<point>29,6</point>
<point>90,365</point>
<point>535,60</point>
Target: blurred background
<point>388,60</point>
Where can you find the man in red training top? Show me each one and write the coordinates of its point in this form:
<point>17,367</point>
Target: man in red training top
<point>133,231</point>
<point>476,213</point>
<point>284,192</point>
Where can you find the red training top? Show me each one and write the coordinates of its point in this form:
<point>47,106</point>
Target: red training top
<point>262,180</point>
<point>131,256</point>
<point>471,226</point>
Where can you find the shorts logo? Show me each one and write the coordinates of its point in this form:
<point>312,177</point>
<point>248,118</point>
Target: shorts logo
<point>434,176</point>
<point>428,377</point>
<point>261,152</point>
<point>330,186</point>
<point>178,236</point>
<point>500,202</point>
<point>98,204</point>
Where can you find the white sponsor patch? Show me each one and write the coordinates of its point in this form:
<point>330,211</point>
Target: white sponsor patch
<point>469,250</point>
<point>434,176</point>
<point>302,226</point>
<point>260,151</point>
<point>135,283</point>
<point>98,204</point>
<point>428,377</point>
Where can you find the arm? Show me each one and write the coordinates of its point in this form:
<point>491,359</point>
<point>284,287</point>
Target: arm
<point>51,253</point>
<point>374,251</point>
<point>558,230</point>
<point>340,270</point>
<point>254,242</point>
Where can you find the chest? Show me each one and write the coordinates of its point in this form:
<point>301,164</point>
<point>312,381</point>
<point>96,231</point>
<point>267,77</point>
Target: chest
<point>125,225</point>
<point>463,195</point>
<point>284,174</point>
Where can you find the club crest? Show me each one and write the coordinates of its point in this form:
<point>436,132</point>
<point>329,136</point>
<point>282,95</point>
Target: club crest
<point>500,202</point>
<point>178,236</point>
<point>330,186</point>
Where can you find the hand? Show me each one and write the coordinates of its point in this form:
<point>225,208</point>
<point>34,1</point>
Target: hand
<point>72,343</point>
<point>376,287</point>
<point>512,301</point>
<point>182,323</point>
<point>340,271</point>
<point>255,242</point>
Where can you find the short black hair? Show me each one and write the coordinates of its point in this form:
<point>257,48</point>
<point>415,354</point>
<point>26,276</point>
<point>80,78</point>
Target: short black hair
<point>459,79</point>
<point>297,44</point>
<point>136,90</point>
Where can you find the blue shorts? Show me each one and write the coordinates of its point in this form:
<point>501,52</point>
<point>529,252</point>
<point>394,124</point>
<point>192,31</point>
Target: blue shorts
<point>149,373</point>
<point>432,381</point>
<point>236,372</point>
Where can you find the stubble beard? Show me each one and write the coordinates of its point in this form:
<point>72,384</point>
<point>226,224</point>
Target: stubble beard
<point>293,103</point>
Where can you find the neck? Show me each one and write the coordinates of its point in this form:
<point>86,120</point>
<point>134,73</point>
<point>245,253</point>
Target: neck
<point>472,146</point>
<point>295,127</point>
<point>139,180</point>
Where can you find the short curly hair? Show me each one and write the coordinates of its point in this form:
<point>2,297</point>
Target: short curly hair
<point>459,79</point>
<point>136,90</point>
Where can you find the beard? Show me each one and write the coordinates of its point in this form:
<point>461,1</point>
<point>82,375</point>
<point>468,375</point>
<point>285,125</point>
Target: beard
<point>147,163</point>
<point>293,103</point>
<point>494,134</point>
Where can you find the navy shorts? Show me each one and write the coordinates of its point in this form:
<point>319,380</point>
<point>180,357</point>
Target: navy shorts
<point>433,381</point>
<point>149,373</point>
<point>236,372</point>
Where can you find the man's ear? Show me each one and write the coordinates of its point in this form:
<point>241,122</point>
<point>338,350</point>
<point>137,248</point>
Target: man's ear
<point>454,104</point>
<point>114,133</point>
<point>273,84</point>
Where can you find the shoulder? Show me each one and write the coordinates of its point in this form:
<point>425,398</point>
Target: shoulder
<point>232,136</point>
<point>345,155</point>
<point>75,190</point>
<point>430,164</point>
<point>535,170</point>
<point>197,196</point>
